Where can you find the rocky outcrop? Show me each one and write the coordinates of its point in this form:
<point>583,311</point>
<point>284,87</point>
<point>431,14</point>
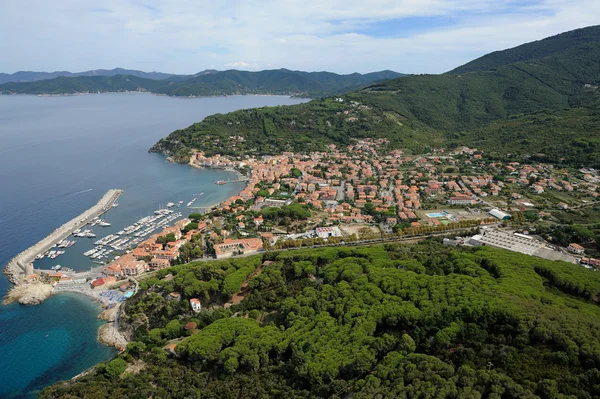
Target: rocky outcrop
<point>109,335</point>
<point>30,294</point>
<point>109,314</point>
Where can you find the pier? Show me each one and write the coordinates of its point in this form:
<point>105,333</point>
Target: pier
<point>220,182</point>
<point>22,264</point>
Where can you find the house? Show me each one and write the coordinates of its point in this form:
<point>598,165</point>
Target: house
<point>171,349</point>
<point>175,296</point>
<point>576,248</point>
<point>196,305</point>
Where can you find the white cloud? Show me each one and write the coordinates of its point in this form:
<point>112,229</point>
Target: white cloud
<point>242,65</point>
<point>186,36</point>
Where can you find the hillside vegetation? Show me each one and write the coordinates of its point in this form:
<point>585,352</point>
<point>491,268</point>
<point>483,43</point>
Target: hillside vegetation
<point>207,83</point>
<point>368,322</point>
<point>555,85</point>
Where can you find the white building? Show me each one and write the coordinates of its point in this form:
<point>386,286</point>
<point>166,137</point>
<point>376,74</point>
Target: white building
<point>196,305</point>
<point>326,232</point>
<point>462,200</point>
<point>576,248</point>
<point>498,214</point>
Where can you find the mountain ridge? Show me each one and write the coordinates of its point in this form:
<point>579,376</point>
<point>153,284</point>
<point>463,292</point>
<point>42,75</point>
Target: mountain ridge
<point>206,83</point>
<point>33,76</point>
<point>419,111</point>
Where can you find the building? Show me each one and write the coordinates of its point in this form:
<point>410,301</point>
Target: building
<point>159,263</point>
<point>462,200</point>
<point>102,281</point>
<point>244,246</point>
<point>516,243</point>
<point>498,214</point>
<point>576,248</point>
<point>112,270</point>
<point>133,268</point>
<point>196,305</point>
<point>326,232</point>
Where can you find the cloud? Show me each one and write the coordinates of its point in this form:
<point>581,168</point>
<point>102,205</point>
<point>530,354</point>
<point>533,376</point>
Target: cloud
<point>186,36</point>
<point>242,65</point>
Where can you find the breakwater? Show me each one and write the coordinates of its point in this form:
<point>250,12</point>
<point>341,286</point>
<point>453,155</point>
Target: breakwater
<point>22,265</point>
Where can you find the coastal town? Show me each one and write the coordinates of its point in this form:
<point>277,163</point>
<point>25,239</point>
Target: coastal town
<point>345,196</point>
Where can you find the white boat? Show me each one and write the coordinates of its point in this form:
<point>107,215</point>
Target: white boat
<point>170,204</point>
<point>115,205</point>
<point>55,268</point>
<point>104,223</point>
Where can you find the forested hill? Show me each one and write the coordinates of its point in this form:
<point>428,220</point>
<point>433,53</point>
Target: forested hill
<point>545,106</point>
<point>532,51</point>
<point>392,321</point>
<point>30,76</point>
<point>207,83</point>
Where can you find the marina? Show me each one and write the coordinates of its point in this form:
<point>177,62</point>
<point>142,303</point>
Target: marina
<point>22,264</point>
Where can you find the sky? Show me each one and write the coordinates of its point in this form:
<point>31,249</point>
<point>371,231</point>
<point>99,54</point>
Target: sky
<point>188,36</point>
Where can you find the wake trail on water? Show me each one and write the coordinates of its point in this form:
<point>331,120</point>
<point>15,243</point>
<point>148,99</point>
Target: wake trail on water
<point>78,192</point>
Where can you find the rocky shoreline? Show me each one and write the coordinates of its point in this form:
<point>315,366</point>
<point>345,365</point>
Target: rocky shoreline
<point>29,294</point>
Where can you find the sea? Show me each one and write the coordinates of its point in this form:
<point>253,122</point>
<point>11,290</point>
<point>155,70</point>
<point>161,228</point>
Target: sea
<point>58,156</point>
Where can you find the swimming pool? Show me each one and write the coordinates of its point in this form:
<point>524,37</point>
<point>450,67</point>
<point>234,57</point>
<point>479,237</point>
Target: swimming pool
<point>436,215</point>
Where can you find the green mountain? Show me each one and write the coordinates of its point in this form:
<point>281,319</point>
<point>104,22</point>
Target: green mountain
<point>30,76</point>
<point>386,321</point>
<point>552,88</point>
<point>532,51</point>
<point>81,84</point>
<point>207,83</point>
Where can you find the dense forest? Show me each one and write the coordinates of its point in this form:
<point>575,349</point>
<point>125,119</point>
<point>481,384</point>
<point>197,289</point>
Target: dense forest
<point>386,321</point>
<point>540,99</point>
<point>206,83</point>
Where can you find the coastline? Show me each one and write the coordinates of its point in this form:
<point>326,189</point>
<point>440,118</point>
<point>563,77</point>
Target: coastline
<point>152,93</point>
<point>22,264</point>
<point>108,334</point>
<point>35,293</point>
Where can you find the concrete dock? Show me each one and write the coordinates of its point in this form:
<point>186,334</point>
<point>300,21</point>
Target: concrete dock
<point>22,264</point>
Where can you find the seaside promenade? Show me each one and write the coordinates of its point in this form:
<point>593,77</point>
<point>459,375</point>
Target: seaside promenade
<point>22,264</point>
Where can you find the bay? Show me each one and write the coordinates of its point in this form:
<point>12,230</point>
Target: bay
<point>58,156</point>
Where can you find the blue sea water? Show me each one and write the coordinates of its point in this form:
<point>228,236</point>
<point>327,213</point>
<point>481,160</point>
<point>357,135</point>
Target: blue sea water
<point>58,156</point>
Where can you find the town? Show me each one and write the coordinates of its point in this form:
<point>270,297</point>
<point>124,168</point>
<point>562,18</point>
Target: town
<point>356,194</point>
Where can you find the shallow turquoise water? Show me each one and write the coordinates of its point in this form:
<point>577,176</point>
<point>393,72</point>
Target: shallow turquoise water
<point>58,156</point>
<point>58,337</point>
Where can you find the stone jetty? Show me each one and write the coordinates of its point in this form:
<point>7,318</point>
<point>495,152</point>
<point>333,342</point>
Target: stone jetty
<point>22,264</point>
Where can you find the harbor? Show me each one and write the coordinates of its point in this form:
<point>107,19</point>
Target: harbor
<point>22,264</point>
